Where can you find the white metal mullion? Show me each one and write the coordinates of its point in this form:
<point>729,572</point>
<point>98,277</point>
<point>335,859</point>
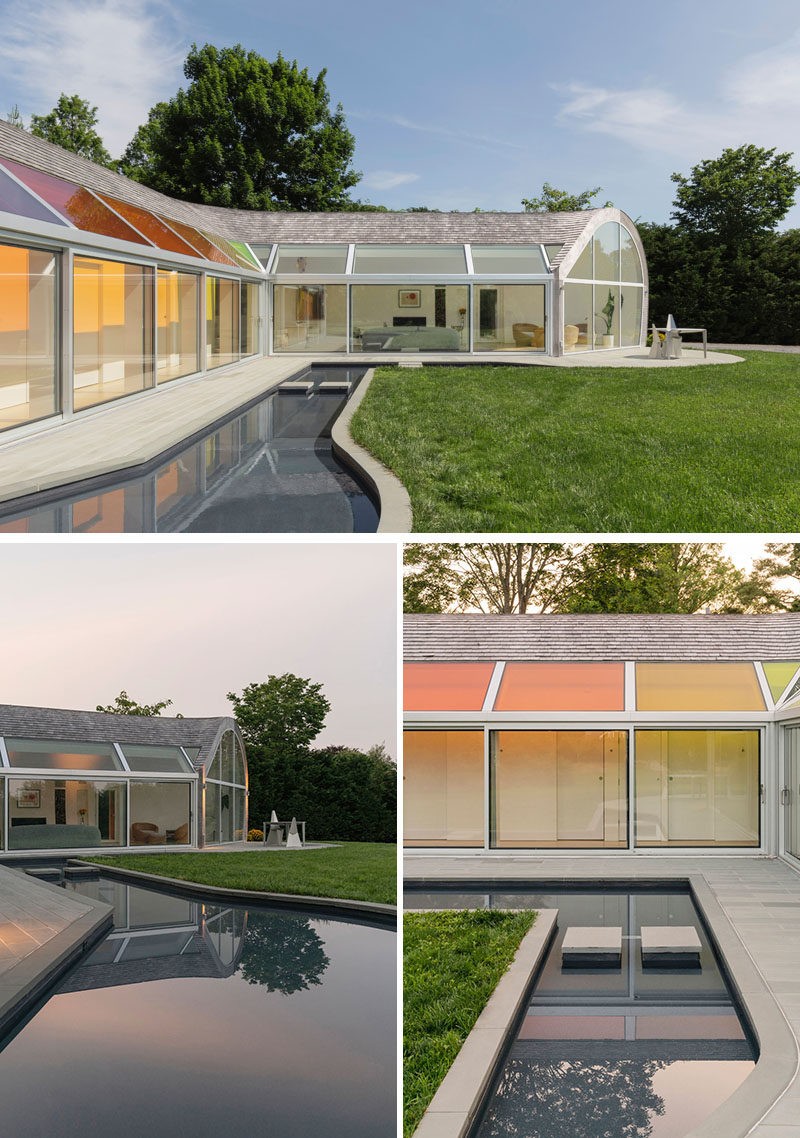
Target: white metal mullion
<point>487,759</point>
<point>781,702</point>
<point>763,682</point>
<point>351,256</point>
<point>630,685</point>
<point>631,738</point>
<point>545,257</point>
<point>121,757</point>
<point>51,209</point>
<point>468,257</point>
<point>494,685</point>
<point>271,259</point>
<point>3,753</point>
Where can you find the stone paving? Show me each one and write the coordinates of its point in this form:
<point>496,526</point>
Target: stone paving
<point>760,897</point>
<point>31,915</point>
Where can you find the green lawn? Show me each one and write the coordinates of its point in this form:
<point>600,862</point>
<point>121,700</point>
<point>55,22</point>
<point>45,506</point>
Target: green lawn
<point>544,449</point>
<point>359,871</point>
<point>452,964</point>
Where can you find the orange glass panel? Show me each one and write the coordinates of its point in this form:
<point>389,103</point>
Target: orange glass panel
<point>14,273</point>
<point>78,205</point>
<point>445,687</point>
<point>151,226</point>
<point>697,687</point>
<point>562,687</point>
<point>203,246</point>
<point>443,788</point>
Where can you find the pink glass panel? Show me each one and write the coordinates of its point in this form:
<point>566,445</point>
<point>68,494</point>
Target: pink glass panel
<point>445,687</point>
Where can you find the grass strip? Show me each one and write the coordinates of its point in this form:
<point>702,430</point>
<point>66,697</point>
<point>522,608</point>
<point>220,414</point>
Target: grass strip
<point>590,449</point>
<point>358,871</point>
<point>452,964</point>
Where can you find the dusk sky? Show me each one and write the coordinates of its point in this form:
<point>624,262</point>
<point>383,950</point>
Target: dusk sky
<point>191,622</point>
<point>455,105</point>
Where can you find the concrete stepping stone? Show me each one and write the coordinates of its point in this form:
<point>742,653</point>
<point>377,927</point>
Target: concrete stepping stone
<point>670,946</point>
<point>81,872</point>
<point>592,947</point>
<point>47,873</point>
<point>296,386</point>
<point>334,385</point>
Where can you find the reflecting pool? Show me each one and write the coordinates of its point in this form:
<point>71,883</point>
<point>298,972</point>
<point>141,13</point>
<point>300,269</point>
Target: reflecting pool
<point>633,1052</point>
<point>268,468</point>
<point>201,1019</point>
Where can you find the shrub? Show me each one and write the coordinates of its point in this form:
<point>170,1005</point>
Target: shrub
<point>255,835</point>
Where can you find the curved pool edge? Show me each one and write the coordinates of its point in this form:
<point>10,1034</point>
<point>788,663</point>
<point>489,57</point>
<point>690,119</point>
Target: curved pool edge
<point>393,500</point>
<point>385,914</point>
<point>778,1063</point>
<point>778,1060</point>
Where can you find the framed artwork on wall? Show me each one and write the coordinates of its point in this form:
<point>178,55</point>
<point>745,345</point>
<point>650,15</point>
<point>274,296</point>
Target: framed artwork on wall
<point>29,799</point>
<point>409,298</point>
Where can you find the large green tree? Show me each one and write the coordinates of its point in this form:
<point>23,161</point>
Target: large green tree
<point>278,718</point>
<point>72,125</point>
<point>553,200</point>
<point>246,133</point>
<point>737,197</point>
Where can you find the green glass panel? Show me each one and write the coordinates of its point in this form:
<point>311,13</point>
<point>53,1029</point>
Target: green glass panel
<point>248,255</point>
<point>778,676</point>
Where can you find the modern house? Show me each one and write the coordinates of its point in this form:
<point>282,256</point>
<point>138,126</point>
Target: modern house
<point>109,289</point>
<point>627,733</point>
<point>87,781</point>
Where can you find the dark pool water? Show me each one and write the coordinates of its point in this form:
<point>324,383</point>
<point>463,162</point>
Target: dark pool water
<point>267,469</point>
<point>195,1020</point>
<point>630,1052</point>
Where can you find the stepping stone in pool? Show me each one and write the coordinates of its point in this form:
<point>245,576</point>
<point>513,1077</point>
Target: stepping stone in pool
<point>592,947</point>
<point>296,386</point>
<point>47,873</point>
<point>335,385</point>
<point>670,946</point>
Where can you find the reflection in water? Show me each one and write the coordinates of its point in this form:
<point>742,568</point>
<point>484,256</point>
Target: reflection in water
<point>628,1052</point>
<point>199,1019</point>
<point>268,470</point>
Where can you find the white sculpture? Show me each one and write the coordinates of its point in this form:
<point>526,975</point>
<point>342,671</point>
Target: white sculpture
<point>293,837</point>
<point>274,835</point>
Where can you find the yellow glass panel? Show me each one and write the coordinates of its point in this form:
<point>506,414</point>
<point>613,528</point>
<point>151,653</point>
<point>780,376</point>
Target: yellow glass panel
<point>445,687</point>
<point>27,335</point>
<point>222,321</point>
<point>697,788</point>
<point>559,789</point>
<point>697,687</point>
<point>778,676</point>
<point>176,306</point>
<point>443,788</point>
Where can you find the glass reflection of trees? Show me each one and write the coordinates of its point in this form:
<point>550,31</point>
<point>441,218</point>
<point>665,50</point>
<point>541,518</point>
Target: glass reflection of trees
<point>282,952</point>
<point>560,1099</point>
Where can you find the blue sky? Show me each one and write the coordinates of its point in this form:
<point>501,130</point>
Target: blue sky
<point>456,105</point>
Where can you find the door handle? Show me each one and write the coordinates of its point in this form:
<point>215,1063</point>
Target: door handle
<point>761,791</point>
<point>785,796</point>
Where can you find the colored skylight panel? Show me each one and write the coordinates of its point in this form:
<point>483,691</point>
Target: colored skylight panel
<point>202,244</point>
<point>250,257</point>
<point>445,687</point>
<point>561,687</point>
<point>79,206</point>
<point>698,687</point>
<point>151,226</point>
<point>15,199</point>
<point>779,675</point>
<point>228,249</point>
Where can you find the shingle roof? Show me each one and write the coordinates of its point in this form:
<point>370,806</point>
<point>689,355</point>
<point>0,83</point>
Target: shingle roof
<point>295,228</point>
<point>100,727</point>
<point>468,636</point>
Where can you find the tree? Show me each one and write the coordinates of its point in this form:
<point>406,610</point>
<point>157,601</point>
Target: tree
<point>282,952</point>
<point>246,133</point>
<point>71,125</point>
<point>737,197</point>
<point>559,201</point>
<point>278,719</point>
<point>14,116</point>
<point>124,705</point>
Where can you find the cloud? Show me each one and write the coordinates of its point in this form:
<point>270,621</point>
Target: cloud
<point>482,141</point>
<point>388,179</point>
<point>117,54</point>
<point>756,102</point>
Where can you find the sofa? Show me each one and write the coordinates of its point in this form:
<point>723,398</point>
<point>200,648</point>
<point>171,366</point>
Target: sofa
<point>49,836</point>
<point>410,340</point>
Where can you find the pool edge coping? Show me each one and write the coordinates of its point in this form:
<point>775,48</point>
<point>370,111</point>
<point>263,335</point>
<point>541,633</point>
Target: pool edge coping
<point>778,1061</point>
<point>452,1111</point>
<point>375,909</point>
<point>395,504</point>
<point>30,978</point>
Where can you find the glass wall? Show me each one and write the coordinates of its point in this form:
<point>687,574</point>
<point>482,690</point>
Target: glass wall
<point>251,292</point>
<point>561,789</point>
<point>58,754</point>
<point>160,813</point>
<point>604,315</point>
<point>413,318</point>
<point>65,813</point>
<point>792,790</point>
<point>509,317</point>
<point>222,321</point>
<point>443,788</point>
<point>226,793</point>
<point>112,330</point>
<point>177,300</point>
<point>697,788</point>
<point>310,318</point>
<point>631,301</point>
<point>578,317</point>
<point>445,687</point>
<point>28,374</point>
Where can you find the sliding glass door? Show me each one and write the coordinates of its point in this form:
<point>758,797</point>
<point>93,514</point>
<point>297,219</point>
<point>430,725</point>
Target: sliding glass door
<point>791,791</point>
